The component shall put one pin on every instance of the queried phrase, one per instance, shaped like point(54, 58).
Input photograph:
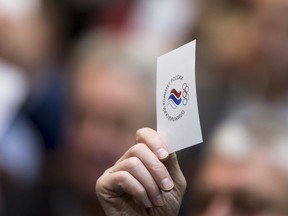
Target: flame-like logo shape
point(175, 98)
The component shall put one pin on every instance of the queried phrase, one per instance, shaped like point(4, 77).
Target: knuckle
point(100, 184)
point(138, 148)
point(133, 163)
point(140, 134)
point(121, 176)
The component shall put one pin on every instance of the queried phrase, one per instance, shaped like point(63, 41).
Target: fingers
point(143, 173)
point(137, 169)
point(156, 145)
point(119, 184)
point(153, 141)
point(152, 163)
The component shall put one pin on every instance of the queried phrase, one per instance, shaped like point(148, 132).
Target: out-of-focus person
point(245, 169)
point(31, 94)
point(30, 39)
point(32, 88)
point(17, 138)
point(111, 95)
point(246, 42)
point(241, 52)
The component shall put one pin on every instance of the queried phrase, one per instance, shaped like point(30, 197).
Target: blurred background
point(71, 76)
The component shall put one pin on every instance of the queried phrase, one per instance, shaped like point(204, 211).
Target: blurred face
point(25, 40)
point(254, 33)
point(248, 189)
point(249, 43)
point(107, 110)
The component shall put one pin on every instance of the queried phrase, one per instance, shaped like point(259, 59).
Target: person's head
point(248, 40)
point(28, 31)
point(111, 97)
point(246, 170)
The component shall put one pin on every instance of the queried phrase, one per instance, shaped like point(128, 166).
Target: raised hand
point(146, 180)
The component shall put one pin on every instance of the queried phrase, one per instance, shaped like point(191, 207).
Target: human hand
point(146, 180)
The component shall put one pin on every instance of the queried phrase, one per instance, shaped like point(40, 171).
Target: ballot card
point(178, 121)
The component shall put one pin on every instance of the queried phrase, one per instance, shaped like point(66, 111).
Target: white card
point(178, 121)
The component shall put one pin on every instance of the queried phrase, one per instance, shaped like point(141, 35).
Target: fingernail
point(167, 184)
point(162, 153)
point(159, 200)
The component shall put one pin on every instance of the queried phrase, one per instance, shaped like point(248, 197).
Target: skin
point(146, 180)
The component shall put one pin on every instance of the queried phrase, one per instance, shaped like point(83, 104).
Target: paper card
point(178, 121)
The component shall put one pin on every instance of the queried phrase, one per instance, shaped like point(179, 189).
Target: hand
point(146, 180)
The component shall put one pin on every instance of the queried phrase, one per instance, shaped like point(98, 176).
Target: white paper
point(178, 121)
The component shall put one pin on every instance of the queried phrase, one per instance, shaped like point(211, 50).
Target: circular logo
point(175, 98)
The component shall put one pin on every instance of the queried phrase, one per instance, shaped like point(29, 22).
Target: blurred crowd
point(77, 79)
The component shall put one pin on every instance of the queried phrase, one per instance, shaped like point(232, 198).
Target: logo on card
point(175, 98)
